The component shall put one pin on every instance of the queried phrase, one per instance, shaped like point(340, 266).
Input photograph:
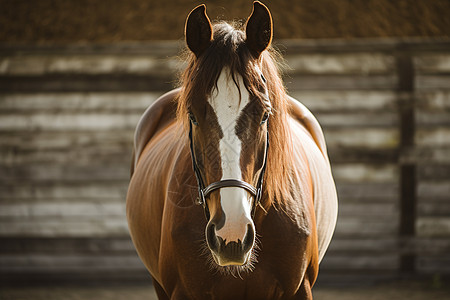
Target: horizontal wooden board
point(432, 82)
point(341, 82)
point(46, 140)
point(358, 120)
point(67, 227)
point(364, 227)
point(152, 48)
point(347, 100)
point(45, 172)
point(82, 82)
point(433, 226)
point(359, 245)
point(432, 63)
point(433, 101)
point(433, 189)
point(432, 246)
point(107, 153)
point(433, 137)
point(368, 191)
point(430, 155)
point(429, 172)
point(340, 155)
point(385, 138)
point(58, 190)
point(365, 172)
point(384, 262)
point(33, 64)
point(432, 119)
point(434, 265)
point(348, 63)
point(429, 208)
point(77, 102)
point(119, 245)
point(68, 122)
point(370, 211)
point(63, 209)
point(49, 263)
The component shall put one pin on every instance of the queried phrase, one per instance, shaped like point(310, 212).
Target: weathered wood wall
point(67, 116)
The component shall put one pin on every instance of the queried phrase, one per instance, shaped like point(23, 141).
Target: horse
point(232, 141)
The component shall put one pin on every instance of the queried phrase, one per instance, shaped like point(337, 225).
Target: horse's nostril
point(249, 239)
point(211, 238)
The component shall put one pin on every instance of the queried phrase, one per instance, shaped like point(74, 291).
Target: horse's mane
point(228, 49)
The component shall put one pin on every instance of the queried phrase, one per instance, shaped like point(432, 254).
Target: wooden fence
point(67, 116)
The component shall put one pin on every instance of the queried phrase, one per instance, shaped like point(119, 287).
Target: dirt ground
point(99, 21)
point(392, 291)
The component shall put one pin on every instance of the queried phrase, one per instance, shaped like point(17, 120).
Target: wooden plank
point(67, 246)
point(67, 227)
point(68, 122)
point(431, 172)
point(433, 101)
point(359, 172)
point(432, 63)
point(433, 226)
point(363, 227)
point(381, 262)
point(92, 64)
point(62, 209)
point(432, 155)
point(433, 189)
point(363, 245)
point(151, 48)
point(432, 82)
point(433, 137)
point(362, 155)
point(82, 83)
point(434, 265)
point(43, 172)
point(340, 82)
point(362, 138)
point(430, 246)
point(324, 46)
point(348, 63)
point(77, 102)
point(45, 141)
point(50, 263)
point(57, 190)
point(429, 208)
point(358, 120)
point(112, 153)
point(368, 191)
point(347, 100)
point(432, 119)
point(368, 210)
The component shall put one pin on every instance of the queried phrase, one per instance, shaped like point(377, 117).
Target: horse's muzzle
point(230, 253)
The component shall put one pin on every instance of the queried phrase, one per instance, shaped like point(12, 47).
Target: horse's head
point(228, 109)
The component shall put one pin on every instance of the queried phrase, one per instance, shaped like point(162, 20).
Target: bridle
point(204, 192)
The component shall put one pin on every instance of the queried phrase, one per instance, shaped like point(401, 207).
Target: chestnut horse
point(232, 140)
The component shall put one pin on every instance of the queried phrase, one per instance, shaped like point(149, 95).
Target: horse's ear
point(198, 30)
point(259, 29)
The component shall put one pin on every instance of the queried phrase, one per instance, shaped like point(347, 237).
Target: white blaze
point(228, 103)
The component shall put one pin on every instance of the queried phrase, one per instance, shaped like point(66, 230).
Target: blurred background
point(75, 76)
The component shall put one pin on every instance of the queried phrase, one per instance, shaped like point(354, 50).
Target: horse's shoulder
point(157, 116)
point(303, 115)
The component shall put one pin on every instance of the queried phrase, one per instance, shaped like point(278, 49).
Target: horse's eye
point(265, 118)
point(193, 119)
